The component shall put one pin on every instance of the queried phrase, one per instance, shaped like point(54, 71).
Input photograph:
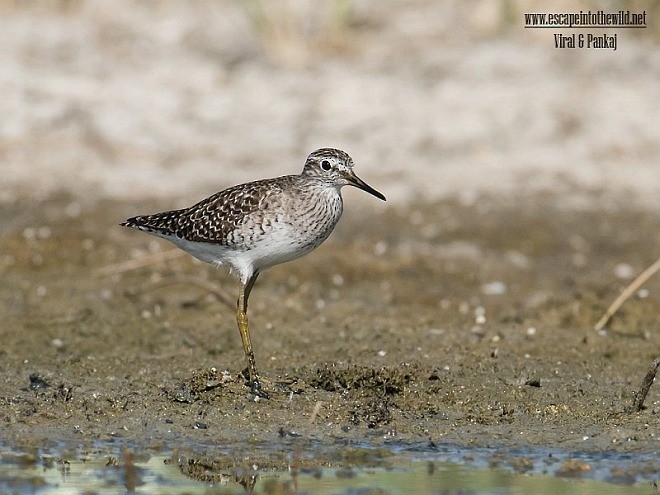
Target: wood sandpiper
point(253, 226)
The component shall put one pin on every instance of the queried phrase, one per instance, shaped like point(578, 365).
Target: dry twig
point(158, 257)
point(141, 262)
point(640, 397)
point(214, 289)
point(634, 285)
point(315, 412)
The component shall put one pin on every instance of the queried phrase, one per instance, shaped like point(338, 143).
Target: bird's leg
point(243, 327)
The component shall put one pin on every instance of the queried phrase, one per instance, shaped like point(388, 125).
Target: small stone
point(624, 271)
point(495, 288)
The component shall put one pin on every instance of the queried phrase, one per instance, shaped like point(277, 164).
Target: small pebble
point(494, 288)
point(624, 271)
point(73, 210)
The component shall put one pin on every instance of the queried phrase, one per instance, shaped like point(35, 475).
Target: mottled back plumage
point(214, 219)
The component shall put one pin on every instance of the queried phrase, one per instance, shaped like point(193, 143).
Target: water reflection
point(105, 470)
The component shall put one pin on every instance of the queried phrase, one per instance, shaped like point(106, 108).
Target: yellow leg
point(244, 329)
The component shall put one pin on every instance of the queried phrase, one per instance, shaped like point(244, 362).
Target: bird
point(253, 226)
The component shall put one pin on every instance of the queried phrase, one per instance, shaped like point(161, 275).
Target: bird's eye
point(325, 165)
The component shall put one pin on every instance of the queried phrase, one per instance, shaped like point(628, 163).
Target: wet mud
point(462, 322)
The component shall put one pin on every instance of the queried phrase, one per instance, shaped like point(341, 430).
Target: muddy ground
point(463, 322)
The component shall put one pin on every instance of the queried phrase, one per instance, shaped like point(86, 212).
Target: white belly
point(282, 241)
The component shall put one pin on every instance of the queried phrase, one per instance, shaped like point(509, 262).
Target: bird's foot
point(255, 385)
point(257, 391)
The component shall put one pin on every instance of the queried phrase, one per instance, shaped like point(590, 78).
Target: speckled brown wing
point(216, 219)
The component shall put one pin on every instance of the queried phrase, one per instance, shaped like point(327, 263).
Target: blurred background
point(432, 99)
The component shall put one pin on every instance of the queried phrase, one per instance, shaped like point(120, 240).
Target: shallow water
point(108, 469)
